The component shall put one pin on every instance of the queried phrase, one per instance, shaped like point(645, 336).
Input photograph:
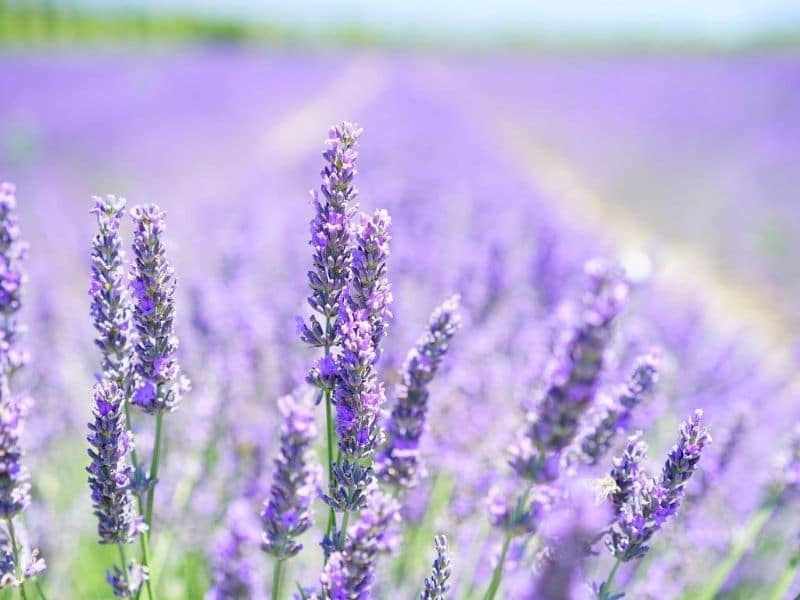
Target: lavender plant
point(438, 584)
point(399, 462)
point(287, 513)
point(14, 478)
point(110, 480)
point(158, 383)
point(642, 503)
point(350, 571)
point(573, 375)
point(334, 207)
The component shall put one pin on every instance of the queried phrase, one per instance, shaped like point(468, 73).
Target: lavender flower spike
point(682, 460)
point(438, 584)
point(358, 396)
point(12, 252)
point(160, 384)
point(369, 288)
point(598, 435)
point(642, 503)
point(399, 462)
point(15, 485)
point(110, 303)
point(287, 513)
point(110, 472)
point(626, 471)
point(334, 206)
point(350, 572)
point(572, 377)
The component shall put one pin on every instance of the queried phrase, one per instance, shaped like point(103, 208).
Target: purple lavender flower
point(349, 573)
point(438, 584)
point(627, 471)
point(287, 513)
point(358, 396)
point(160, 384)
point(572, 376)
point(110, 471)
point(110, 307)
point(643, 504)
point(606, 422)
point(334, 206)
point(399, 462)
point(127, 583)
point(682, 460)
point(369, 288)
point(12, 252)
point(235, 571)
point(14, 478)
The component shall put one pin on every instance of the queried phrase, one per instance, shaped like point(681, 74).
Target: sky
point(713, 19)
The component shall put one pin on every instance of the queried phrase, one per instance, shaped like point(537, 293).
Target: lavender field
point(533, 335)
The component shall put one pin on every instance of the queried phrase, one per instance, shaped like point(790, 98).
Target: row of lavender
point(513, 284)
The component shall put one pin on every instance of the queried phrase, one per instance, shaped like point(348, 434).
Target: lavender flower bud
point(110, 472)
point(400, 462)
point(159, 381)
point(572, 374)
point(683, 458)
point(599, 433)
point(110, 306)
point(127, 585)
point(334, 206)
point(14, 479)
point(438, 584)
point(350, 572)
point(627, 471)
point(369, 289)
point(643, 504)
point(287, 513)
point(12, 252)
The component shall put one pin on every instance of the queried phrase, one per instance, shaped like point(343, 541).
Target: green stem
point(786, 579)
point(740, 545)
point(277, 574)
point(329, 430)
point(15, 551)
point(39, 590)
point(605, 589)
point(151, 494)
point(124, 561)
point(497, 576)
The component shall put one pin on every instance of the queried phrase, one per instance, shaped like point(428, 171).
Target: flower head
point(110, 302)
point(399, 462)
point(334, 206)
point(159, 381)
point(110, 472)
point(287, 513)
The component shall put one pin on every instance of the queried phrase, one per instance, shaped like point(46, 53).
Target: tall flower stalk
point(334, 206)
point(14, 478)
point(572, 377)
point(158, 383)
point(350, 571)
point(399, 462)
point(287, 512)
point(642, 503)
point(110, 480)
point(437, 585)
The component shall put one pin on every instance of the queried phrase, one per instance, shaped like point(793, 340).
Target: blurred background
point(666, 132)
